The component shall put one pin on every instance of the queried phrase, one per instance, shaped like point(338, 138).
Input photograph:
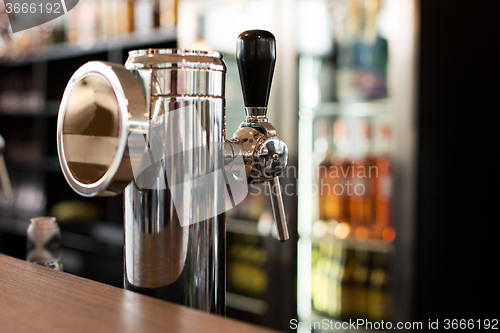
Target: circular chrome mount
point(99, 102)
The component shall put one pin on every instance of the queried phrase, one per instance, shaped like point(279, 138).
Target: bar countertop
point(38, 299)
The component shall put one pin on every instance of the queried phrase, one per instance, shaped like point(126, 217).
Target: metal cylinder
point(174, 207)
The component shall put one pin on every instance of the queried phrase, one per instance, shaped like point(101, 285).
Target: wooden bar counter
point(38, 299)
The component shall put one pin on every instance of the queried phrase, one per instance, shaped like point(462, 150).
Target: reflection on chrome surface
point(90, 132)
point(167, 253)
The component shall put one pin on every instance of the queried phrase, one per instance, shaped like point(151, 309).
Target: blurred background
point(389, 109)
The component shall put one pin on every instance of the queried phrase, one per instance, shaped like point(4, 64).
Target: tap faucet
point(265, 154)
point(154, 130)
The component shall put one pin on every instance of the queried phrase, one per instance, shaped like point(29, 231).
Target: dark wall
point(459, 168)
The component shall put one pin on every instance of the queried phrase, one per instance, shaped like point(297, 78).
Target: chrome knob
point(270, 156)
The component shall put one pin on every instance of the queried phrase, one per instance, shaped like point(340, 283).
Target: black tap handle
point(256, 56)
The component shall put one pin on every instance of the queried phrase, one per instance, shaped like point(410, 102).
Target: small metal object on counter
point(44, 242)
point(4, 176)
point(154, 130)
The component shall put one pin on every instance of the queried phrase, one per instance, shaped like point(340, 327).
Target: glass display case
point(343, 79)
point(346, 170)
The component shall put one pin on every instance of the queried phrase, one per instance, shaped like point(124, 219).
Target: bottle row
point(354, 178)
point(90, 21)
point(246, 273)
point(358, 54)
point(350, 283)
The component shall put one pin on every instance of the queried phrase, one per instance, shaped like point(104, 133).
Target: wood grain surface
point(38, 299)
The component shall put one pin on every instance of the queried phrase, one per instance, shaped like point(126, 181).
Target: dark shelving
point(30, 93)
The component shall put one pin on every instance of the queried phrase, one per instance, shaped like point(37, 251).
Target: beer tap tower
point(154, 130)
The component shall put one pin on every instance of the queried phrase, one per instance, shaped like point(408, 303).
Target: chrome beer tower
point(154, 130)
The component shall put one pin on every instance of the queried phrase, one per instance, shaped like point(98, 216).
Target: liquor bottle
point(339, 197)
point(318, 278)
point(353, 24)
point(59, 33)
point(125, 12)
point(144, 16)
point(156, 13)
point(371, 54)
point(361, 278)
point(346, 285)
point(44, 242)
point(323, 146)
point(327, 77)
point(85, 29)
point(168, 13)
point(320, 297)
point(383, 189)
point(363, 178)
point(314, 262)
point(200, 43)
point(246, 270)
point(334, 286)
point(347, 37)
point(379, 298)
